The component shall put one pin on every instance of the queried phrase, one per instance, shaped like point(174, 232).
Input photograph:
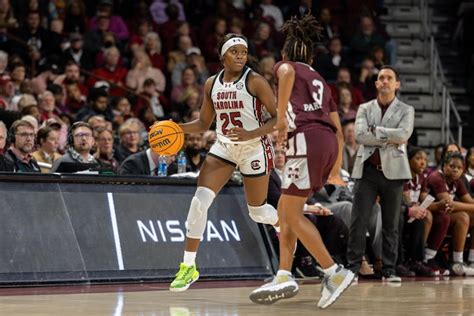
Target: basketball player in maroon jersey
point(235, 96)
point(313, 150)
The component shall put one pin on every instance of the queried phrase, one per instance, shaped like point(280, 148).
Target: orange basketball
point(166, 138)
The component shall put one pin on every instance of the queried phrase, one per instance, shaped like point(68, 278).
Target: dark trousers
point(372, 184)
point(413, 240)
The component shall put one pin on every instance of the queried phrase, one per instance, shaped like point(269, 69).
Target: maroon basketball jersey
point(311, 99)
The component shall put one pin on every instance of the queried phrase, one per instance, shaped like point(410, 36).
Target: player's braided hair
point(300, 34)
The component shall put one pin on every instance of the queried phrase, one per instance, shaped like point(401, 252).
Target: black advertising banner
point(87, 231)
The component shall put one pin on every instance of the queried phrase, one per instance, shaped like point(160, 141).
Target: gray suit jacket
point(389, 135)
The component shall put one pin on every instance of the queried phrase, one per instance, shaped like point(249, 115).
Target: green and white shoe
point(186, 276)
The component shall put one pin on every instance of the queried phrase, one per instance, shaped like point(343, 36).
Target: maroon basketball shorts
point(310, 156)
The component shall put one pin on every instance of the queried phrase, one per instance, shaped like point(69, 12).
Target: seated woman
point(416, 222)
point(453, 198)
point(48, 144)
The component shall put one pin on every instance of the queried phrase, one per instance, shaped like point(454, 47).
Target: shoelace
point(182, 273)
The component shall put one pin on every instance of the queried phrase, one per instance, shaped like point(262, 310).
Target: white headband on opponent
point(231, 42)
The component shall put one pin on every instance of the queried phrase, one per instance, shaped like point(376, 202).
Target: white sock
point(429, 254)
point(189, 258)
point(283, 272)
point(331, 270)
point(457, 256)
point(471, 255)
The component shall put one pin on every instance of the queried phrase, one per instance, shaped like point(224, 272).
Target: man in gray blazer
point(382, 129)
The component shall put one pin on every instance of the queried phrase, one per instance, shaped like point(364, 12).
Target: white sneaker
point(282, 286)
point(333, 286)
point(460, 269)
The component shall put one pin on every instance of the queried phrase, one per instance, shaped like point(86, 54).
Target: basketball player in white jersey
point(235, 96)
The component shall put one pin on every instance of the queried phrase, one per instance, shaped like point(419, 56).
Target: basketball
point(166, 138)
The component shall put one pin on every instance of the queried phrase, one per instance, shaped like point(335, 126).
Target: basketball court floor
point(449, 296)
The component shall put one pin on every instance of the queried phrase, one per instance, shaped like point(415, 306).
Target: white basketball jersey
point(235, 106)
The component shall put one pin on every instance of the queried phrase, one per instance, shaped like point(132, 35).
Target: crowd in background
point(84, 80)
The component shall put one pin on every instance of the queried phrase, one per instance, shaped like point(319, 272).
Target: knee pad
point(197, 215)
point(265, 214)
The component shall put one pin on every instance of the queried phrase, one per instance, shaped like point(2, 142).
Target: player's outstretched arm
point(206, 115)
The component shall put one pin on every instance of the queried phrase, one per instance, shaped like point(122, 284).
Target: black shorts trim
point(222, 159)
point(254, 175)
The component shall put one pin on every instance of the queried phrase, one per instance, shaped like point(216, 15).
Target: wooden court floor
point(453, 296)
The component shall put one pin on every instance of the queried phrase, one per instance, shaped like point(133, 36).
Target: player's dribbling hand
point(238, 134)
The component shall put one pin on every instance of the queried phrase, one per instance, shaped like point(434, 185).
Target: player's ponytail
point(300, 34)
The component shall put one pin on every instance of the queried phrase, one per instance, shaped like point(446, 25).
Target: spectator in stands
point(158, 8)
point(75, 101)
point(95, 40)
point(350, 145)
point(470, 163)
point(169, 29)
point(453, 198)
point(116, 24)
point(130, 140)
point(7, 15)
point(381, 168)
point(5, 165)
point(344, 75)
point(195, 60)
point(272, 12)
point(98, 105)
point(48, 144)
point(80, 143)
point(17, 75)
point(469, 174)
point(112, 72)
point(178, 55)
point(153, 49)
point(378, 57)
point(261, 44)
point(195, 154)
point(365, 39)
point(122, 110)
point(75, 20)
point(105, 149)
point(330, 30)
point(137, 38)
point(40, 41)
point(22, 143)
point(142, 69)
point(188, 83)
point(72, 74)
point(7, 91)
point(76, 52)
point(151, 97)
point(416, 221)
point(208, 139)
point(328, 64)
point(344, 106)
point(367, 77)
point(3, 62)
point(210, 45)
point(47, 106)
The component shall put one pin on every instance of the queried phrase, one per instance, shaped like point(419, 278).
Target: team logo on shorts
point(239, 85)
point(255, 164)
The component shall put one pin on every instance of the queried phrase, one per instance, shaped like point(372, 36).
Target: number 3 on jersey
point(318, 92)
point(233, 118)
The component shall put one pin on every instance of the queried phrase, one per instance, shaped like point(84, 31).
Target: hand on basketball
point(238, 134)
